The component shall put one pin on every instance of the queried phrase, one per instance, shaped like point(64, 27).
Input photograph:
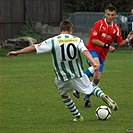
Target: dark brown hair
point(111, 8)
point(65, 25)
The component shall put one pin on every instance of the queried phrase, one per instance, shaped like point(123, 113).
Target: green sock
point(98, 92)
point(71, 106)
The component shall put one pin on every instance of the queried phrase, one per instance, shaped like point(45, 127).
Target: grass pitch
point(29, 101)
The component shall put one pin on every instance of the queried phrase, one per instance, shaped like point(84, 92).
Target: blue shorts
point(95, 55)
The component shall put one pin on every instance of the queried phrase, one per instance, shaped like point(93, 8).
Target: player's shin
point(72, 108)
point(98, 92)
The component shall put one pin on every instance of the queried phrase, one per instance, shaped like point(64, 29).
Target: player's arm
point(89, 57)
point(95, 36)
point(84, 51)
point(104, 45)
point(129, 37)
point(98, 42)
point(28, 49)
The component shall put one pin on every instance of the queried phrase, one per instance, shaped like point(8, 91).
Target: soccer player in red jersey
point(103, 34)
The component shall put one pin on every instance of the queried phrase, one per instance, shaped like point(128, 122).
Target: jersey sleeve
point(95, 30)
point(119, 38)
point(44, 47)
point(81, 46)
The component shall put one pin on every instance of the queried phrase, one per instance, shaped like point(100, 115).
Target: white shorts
point(82, 84)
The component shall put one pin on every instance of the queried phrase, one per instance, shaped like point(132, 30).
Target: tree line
point(96, 5)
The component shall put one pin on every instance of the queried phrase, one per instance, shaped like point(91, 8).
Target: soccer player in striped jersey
point(65, 49)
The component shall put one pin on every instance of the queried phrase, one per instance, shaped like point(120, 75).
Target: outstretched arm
point(28, 49)
point(129, 37)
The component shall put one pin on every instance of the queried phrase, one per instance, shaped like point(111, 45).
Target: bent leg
point(100, 94)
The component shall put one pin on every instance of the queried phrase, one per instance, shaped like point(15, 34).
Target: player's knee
point(97, 79)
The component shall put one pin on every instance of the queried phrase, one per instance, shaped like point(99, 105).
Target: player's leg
point(89, 72)
point(76, 94)
point(96, 79)
point(87, 102)
point(100, 94)
point(70, 105)
point(64, 88)
point(84, 85)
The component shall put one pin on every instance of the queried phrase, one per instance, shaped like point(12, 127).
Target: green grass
point(30, 103)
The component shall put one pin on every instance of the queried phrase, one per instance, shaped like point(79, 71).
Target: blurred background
point(39, 19)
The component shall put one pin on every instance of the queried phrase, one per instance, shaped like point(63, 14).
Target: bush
point(28, 30)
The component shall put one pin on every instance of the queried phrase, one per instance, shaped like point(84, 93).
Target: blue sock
point(87, 96)
point(88, 73)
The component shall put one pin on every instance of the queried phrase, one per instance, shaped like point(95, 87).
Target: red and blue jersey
point(105, 33)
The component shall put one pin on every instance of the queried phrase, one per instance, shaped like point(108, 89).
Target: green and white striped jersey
point(65, 49)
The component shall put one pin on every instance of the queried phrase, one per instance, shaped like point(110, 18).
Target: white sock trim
point(91, 69)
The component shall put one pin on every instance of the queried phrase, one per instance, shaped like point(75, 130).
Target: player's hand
point(12, 53)
point(130, 35)
point(96, 67)
point(111, 49)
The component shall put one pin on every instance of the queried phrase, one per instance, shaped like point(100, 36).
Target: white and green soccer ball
point(103, 112)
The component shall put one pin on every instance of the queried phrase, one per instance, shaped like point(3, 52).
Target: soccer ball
point(103, 112)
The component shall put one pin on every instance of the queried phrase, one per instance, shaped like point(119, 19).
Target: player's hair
point(111, 8)
point(65, 25)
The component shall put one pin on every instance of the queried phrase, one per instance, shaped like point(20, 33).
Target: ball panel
point(103, 113)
